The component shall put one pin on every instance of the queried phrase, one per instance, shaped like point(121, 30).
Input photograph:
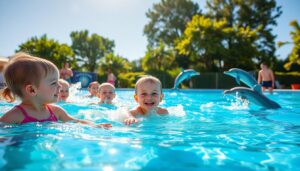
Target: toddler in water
point(93, 89)
point(148, 94)
point(35, 81)
point(106, 93)
point(64, 90)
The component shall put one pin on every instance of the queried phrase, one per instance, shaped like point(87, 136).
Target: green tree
point(120, 66)
point(117, 64)
point(90, 49)
point(158, 59)
point(49, 49)
point(160, 62)
point(294, 56)
point(205, 42)
point(258, 15)
point(167, 21)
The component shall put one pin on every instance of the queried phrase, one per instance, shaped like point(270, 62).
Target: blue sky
point(119, 20)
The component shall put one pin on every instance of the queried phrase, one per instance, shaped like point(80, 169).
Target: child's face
point(93, 89)
point(48, 89)
point(63, 92)
point(148, 95)
point(107, 94)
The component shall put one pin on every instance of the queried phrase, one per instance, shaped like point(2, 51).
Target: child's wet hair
point(63, 82)
point(148, 78)
point(23, 69)
point(105, 84)
point(93, 83)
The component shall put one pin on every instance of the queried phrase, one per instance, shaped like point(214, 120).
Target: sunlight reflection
point(108, 168)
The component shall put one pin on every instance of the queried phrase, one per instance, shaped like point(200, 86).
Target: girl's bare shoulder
point(14, 115)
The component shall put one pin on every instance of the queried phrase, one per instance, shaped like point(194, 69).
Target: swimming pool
point(205, 130)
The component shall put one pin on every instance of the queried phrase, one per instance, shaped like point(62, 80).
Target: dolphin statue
point(253, 96)
point(245, 77)
point(185, 74)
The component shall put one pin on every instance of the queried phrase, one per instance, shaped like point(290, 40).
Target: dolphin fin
point(257, 88)
point(237, 79)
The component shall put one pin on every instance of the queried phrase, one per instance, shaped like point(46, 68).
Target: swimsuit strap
point(52, 115)
point(28, 118)
point(23, 111)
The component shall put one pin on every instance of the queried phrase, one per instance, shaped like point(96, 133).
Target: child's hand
point(104, 125)
point(130, 121)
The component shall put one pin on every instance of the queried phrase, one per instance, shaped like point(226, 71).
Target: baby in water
point(148, 95)
point(106, 93)
point(64, 90)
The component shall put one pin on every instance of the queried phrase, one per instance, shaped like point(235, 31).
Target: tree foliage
point(167, 21)
point(158, 59)
point(49, 49)
point(90, 49)
point(117, 64)
point(205, 41)
point(258, 15)
point(294, 56)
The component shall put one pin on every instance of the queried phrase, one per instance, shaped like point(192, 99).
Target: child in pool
point(266, 78)
point(64, 90)
point(93, 89)
point(35, 81)
point(106, 93)
point(148, 94)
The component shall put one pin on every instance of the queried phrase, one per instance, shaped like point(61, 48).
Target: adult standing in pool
point(66, 72)
point(111, 78)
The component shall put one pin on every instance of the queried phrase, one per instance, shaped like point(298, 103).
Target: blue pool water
point(204, 131)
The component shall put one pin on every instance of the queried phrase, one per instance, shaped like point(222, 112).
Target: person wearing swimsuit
point(111, 78)
point(266, 78)
point(35, 81)
point(28, 118)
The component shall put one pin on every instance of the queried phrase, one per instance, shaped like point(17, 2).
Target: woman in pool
point(35, 81)
point(66, 73)
point(148, 94)
point(111, 78)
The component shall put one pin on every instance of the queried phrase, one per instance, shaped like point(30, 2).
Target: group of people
point(66, 73)
point(35, 81)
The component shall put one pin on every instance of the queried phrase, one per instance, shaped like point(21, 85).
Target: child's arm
point(131, 119)
point(162, 111)
point(14, 116)
point(63, 116)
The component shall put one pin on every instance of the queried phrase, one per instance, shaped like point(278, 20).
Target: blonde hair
point(147, 78)
point(105, 84)
point(63, 82)
point(23, 69)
